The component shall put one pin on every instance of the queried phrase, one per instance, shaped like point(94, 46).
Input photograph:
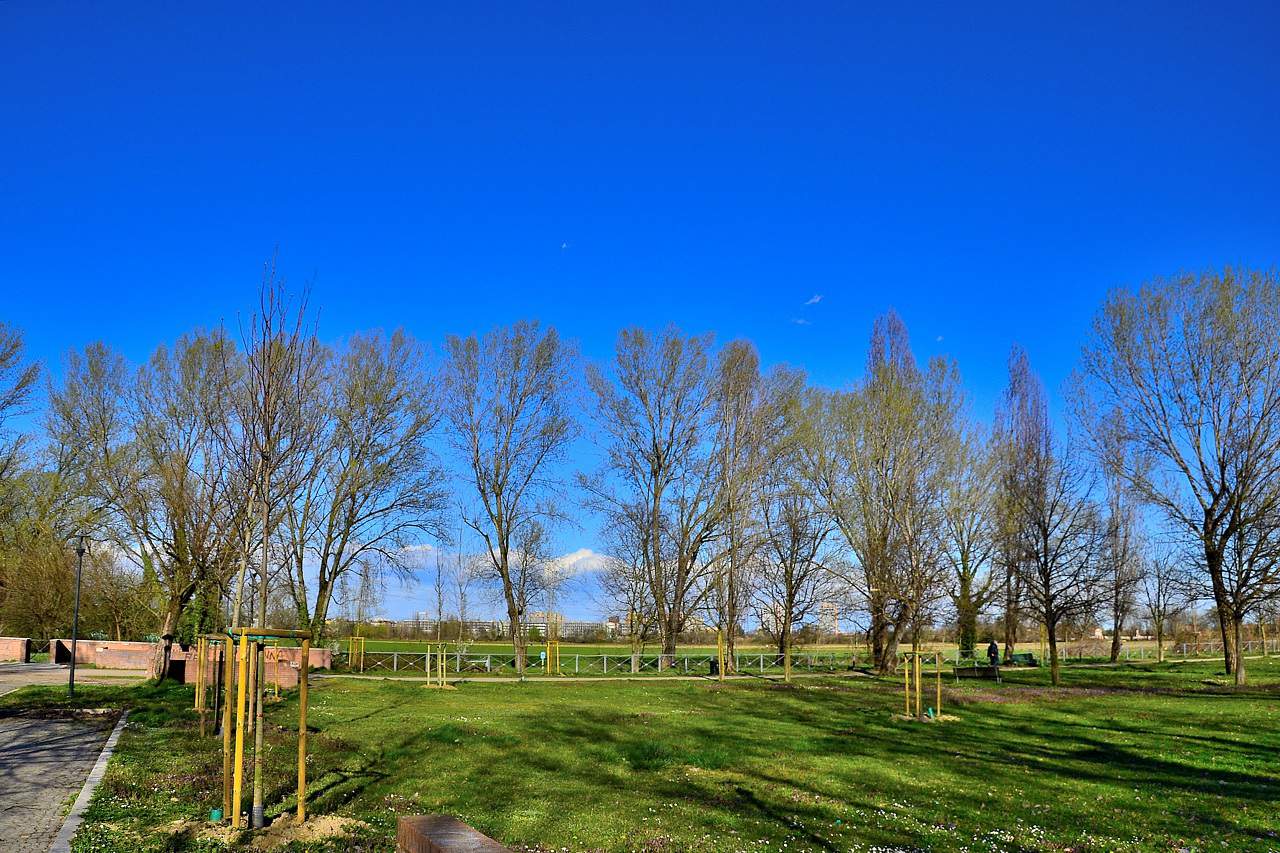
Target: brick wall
point(15, 648)
point(118, 655)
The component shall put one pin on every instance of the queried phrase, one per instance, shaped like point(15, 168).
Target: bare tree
point(529, 572)
point(374, 485)
point(1191, 368)
point(147, 446)
point(1250, 576)
point(464, 572)
point(969, 525)
point(1123, 549)
point(792, 581)
point(1018, 439)
point(922, 481)
point(278, 416)
point(1162, 590)
point(438, 582)
point(753, 417)
point(876, 457)
point(276, 429)
point(1122, 564)
point(624, 581)
point(656, 417)
point(508, 405)
point(1056, 525)
point(17, 386)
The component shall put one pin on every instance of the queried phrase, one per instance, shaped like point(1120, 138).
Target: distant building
point(829, 617)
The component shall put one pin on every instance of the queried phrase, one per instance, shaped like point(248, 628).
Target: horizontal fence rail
point(470, 663)
point(462, 663)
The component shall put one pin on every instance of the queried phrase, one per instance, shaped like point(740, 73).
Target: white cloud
point(815, 299)
point(800, 321)
point(580, 562)
point(422, 548)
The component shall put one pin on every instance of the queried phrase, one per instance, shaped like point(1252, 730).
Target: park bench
point(977, 670)
point(1023, 659)
point(439, 833)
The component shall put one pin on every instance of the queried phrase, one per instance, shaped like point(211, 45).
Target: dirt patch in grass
point(286, 830)
point(936, 718)
point(1017, 695)
point(283, 832)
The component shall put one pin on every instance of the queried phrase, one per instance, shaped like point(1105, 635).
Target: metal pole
point(937, 660)
point(303, 666)
point(200, 650)
point(258, 815)
point(228, 681)
point(75, 618)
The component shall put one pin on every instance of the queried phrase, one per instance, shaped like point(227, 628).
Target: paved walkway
point(15, 675)
point(43, 765)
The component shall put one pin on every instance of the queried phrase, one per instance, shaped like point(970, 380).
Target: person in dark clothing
point(993, 653)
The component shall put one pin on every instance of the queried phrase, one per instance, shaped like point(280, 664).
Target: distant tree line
point(257, 474)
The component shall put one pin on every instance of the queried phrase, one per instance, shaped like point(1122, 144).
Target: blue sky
point(987, 170)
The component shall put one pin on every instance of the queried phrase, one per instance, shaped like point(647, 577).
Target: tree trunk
point(517, 638)
point(1055, 672)
point(1237, 633)
point(1213, 561)
point(966, 617)
point(1159, 643)
point(890, 654)
point(786, 653)
point(320, 616)
point(880, 657)
point(165, 653)
point(668, 649)
point(1010, 617)
point(1115, 640)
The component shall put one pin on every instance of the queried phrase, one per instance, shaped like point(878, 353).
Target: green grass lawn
point(1131, 758)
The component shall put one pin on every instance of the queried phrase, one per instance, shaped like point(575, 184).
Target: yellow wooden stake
point(720, 652)
point(237, 786)
point(195, 700)
point(919, 709)
point(906, 685)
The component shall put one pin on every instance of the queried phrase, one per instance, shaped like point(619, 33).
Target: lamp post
point(75, 616)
